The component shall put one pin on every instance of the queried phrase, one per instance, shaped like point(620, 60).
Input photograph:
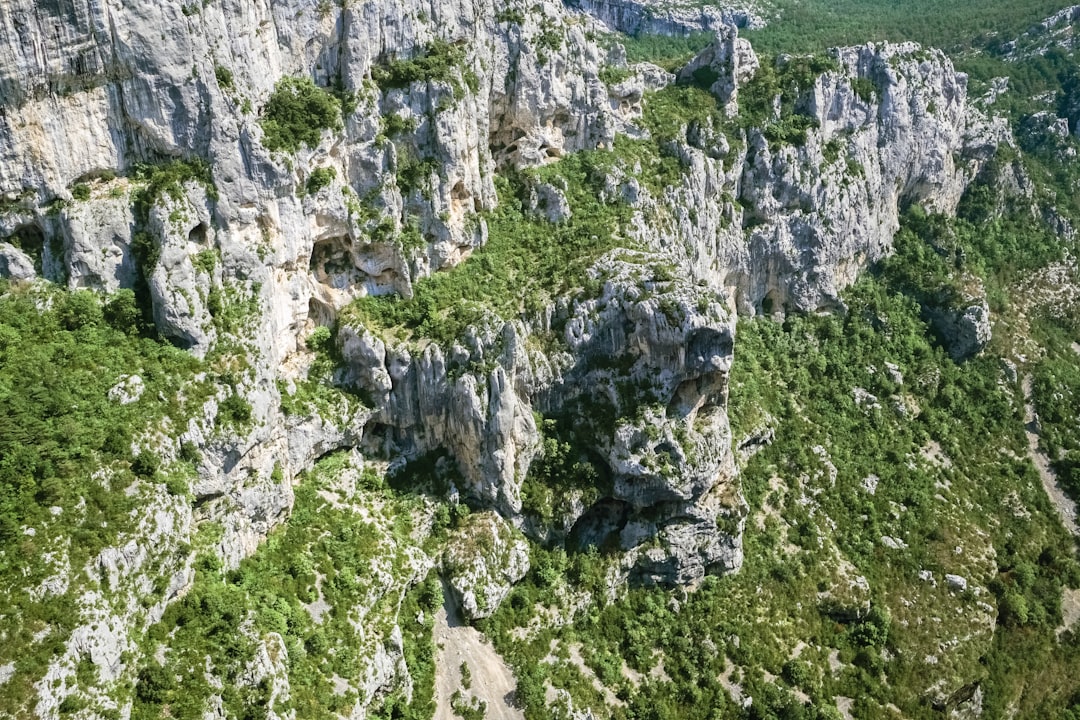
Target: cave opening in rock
point(332, 265)
point(770, 304)
point(599, 526)
point(198, 234)
point(31, 241)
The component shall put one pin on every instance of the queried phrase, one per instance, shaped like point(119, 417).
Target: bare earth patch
point(492, 681)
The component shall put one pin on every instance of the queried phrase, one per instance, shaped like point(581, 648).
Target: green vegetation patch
point(813, 25)
point(667, 112)
point(66, 459)
point(307, 583)
point(319, 178)
point(667, 51)
point(297, 113)
point(438, 62)
point(525, 263)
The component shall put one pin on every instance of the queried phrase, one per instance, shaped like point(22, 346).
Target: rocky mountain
point(276, 179)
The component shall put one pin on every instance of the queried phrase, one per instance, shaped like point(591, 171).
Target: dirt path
point(492, 681)
point(1065, 506)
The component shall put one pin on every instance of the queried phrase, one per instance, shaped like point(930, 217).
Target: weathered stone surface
point(956, 582)
point(635, 17)
point(965, 330)
point(725, 65)
point(97, 240)
point(483, 560)
point(15, 264)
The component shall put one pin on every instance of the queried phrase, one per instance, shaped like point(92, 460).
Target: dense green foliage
point(807, 26)
point(319, 178)
point(60, 354)
point(56, 367)
point(328, 556)
point(668, 112)
point(565, 472)
point(438, 62)
point(667, 51)
point(296, 114)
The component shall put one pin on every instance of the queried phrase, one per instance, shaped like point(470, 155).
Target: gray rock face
point(483, 560)
point(965, 330)
point(15, 264)
point(810, 217)
point(655, 353)
point(97, 240)
point(180, 290)
point(549, 202)
point(670, 18)
point(955, 582)
point(725, 65)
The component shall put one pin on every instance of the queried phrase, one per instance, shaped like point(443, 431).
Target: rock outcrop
point(789, 225)
point(965, 330)
point(483, 560)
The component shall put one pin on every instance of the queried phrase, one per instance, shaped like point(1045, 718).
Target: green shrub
point(146, 464)
point(319, 178)
point(81, 191)
point(438, 62)
point(176, 485)
point(168, 179)
point(511, 16)
point(234, 412)
point(864, 88)
point(78, 309)
point(319, 339)
point(297, 113)
point(205, 260)
point(611, 75)
point(224, 76)
point(394, 125)
point(122, 312)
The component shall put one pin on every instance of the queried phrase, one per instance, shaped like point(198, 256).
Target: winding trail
point(1063, 503)
point(492, 681)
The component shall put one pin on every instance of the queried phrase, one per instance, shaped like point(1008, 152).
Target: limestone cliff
point(250, 249)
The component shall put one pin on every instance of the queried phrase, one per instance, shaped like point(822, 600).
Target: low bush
point(297, 113)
